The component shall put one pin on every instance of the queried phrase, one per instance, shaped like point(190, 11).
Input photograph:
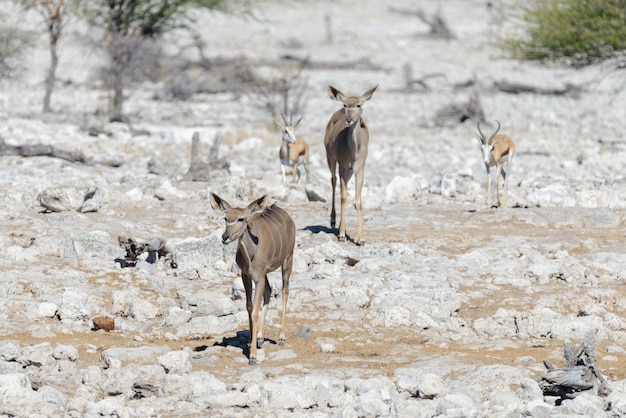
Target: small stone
point(327, 348)
point(304, 332)
point(47, 309)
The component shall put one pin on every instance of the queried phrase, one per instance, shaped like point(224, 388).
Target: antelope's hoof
point(252, 362)
point(281, 342)
point(341, 239)
point(359, 243)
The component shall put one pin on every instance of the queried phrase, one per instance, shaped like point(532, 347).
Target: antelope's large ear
point(258, 205)
point(217, 203)
point(368, 94)
point(297, 122)
point(336, 94)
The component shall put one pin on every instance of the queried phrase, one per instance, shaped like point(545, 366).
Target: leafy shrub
point(133, 34)
point(574, 32)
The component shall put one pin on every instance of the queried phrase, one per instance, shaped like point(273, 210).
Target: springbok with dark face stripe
point(496, 149)
point(294, 151)
point(266, 237)
point(346, 141)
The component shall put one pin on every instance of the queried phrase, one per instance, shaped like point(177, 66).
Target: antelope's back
point(277, 230)
point(299, 150)
point(504, 145)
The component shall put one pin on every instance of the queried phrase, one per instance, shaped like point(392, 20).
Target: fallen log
point(363, 64)
point(519, 88)
point(43, 150)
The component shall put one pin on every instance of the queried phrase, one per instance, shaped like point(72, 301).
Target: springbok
point(346, 142)
point(496, 149)
point(294, 151)
point(266, 237)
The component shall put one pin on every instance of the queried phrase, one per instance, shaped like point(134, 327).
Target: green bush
point(574, 32)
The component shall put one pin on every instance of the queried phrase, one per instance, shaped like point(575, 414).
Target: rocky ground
point(449, 309)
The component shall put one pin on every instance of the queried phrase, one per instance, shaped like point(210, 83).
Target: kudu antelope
point(266, 237)
point(496, 149)
point(346, 142)
point(294, 150)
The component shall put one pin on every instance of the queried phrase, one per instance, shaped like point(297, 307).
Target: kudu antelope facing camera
point(346, 142)
point(496, 149)
point(266, 237)
point(294, 151)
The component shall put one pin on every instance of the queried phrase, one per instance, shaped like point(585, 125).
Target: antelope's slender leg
point(332, 165)
point(258, 299)
point(308, 175)
point(359, 204)
point(506, 180)
point(498, 174)
point(344, 197)
point(247, 284)
point(266, 300)
point(286, 272)
point(488, 187)
point(295, 174)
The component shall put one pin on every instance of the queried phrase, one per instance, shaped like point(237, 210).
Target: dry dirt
point(366, 351)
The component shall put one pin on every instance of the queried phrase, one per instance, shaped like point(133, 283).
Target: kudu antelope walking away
point(496, 149)
point(346, 141)
point(294, 151)
point(266, 237)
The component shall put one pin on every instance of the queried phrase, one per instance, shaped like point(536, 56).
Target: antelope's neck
point(284, 152)
point(246, 249)
point(354, 135)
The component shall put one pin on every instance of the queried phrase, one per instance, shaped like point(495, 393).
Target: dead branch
point(43, 150)
point(518, 88)
point(579, 375)
point(364, 64)
point(200, 170)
